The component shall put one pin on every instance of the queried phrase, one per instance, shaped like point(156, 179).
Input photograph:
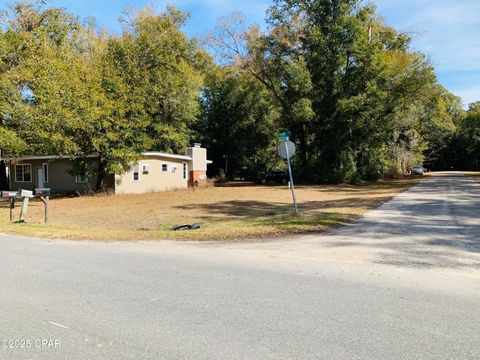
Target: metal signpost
point(286, 150)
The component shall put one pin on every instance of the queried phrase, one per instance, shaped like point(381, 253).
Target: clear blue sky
point(448, 31)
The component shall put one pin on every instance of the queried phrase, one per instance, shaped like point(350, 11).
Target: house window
point(81, 177)
point(164, 167)
point(174, 169)
point(23, 173)
point(145, 169)
point(136, 172)
point(45, 172)
point(185, 171)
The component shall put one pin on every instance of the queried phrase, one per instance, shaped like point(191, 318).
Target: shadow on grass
point(258, 209)
point(234, 184)
point(308, 223)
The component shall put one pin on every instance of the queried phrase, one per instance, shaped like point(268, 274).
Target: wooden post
point(46, 209)
point(45, 201)
point(23, 211)
point(12, 209)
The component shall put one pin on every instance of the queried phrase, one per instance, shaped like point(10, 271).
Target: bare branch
point(228, 40)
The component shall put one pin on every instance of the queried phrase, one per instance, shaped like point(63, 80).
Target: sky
point(448, 31)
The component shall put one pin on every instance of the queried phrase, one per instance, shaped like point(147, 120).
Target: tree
point(56, 103)
point(466, 148)
point(268, 60)
point(163, 73)
point(68, 90)
point(359, 103)
point(348, 87)
point(238, 124)
point(438, 124)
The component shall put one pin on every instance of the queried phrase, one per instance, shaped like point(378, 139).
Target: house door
point(39, 177)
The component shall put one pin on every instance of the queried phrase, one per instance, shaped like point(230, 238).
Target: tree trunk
point(304, 171)
point(101, 185)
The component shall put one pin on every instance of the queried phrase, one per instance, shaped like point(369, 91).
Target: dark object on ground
point(273, 177)
point(186, 227)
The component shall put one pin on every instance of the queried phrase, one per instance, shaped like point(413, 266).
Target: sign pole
point(291, 180)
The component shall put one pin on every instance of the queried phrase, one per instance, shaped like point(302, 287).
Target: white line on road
point(59, 325)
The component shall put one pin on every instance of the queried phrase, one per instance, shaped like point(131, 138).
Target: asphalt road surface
point(401, 283)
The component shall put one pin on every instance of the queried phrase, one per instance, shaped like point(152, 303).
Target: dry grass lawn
point(229, 212)
point(475, 174)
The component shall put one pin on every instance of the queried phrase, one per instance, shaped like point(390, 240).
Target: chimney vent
point(197, 145)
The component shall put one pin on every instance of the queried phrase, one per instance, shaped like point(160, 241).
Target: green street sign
point(285, 135)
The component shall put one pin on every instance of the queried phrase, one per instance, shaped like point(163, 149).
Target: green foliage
point(10, 143)
point(465, 148)
point(359, 103)
point(238, 124)
point(162, 71)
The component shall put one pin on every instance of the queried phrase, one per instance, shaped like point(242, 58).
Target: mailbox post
point(44, 195)
point(12, 208)
point(26, 195)
point(11, 195)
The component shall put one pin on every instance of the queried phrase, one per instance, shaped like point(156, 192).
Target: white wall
point(156, 180)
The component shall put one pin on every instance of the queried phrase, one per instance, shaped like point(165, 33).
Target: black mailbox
point(42, 192)
point(9, 194)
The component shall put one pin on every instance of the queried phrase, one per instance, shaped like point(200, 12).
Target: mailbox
point(9, 194)
point(25, 193)
point(42, 192)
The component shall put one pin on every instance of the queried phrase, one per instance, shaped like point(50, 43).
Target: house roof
point(171, 156)
point(165, 155)
point(42, 157)
point(53, 157)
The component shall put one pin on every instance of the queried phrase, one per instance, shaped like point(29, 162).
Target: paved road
point(402, 283)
